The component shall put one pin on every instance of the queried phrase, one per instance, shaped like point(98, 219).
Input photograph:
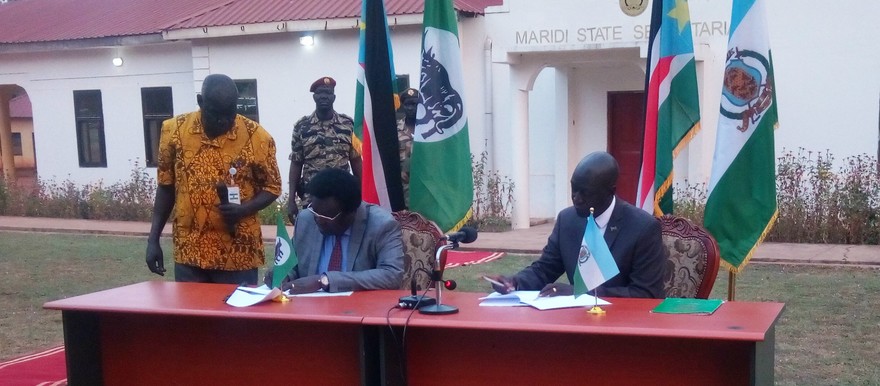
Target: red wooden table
point(183, 333)
point(162, 333)
point(628, 345)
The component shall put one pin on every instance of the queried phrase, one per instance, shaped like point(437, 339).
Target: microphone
point(223, 194)
point(465, 235)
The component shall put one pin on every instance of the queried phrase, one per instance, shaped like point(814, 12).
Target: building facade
point(546, 82)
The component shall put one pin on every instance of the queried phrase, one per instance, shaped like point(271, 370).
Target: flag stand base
point(596, 310)
point(438, 309)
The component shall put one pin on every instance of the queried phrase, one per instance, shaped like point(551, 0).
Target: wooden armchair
point(421, 237)
point(692, 263)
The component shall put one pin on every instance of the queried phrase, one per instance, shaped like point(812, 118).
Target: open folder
point(530, 298)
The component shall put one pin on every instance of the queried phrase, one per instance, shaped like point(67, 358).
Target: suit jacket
point(634, 238)
point(375, 251)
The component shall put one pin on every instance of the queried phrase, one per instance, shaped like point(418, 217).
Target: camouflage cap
point(323, 81)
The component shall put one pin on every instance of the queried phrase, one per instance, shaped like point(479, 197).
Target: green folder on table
point(688, 306)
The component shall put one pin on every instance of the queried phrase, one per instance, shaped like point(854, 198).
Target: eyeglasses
point(321, 216)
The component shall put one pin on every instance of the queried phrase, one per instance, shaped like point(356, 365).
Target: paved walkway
point(530, 240)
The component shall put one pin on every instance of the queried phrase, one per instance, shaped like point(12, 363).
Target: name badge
point(234, 194)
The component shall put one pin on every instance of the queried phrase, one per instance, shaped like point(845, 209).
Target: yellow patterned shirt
point(194, 163)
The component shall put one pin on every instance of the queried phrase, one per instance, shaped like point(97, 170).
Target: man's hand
point(303, 285)
point(557, 289)
point(508, 284)
point(292, 211)
point(155, 260)
point(270, 274)
point(232, 213)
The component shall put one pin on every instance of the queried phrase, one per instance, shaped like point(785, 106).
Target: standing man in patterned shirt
point(214, 242)
point(320, 140)
point(409, 102)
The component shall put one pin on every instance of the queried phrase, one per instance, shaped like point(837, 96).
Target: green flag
point(285, 255)
point(741, 207)
point(441, 179)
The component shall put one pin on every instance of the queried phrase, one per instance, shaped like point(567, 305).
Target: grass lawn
point(829, 332)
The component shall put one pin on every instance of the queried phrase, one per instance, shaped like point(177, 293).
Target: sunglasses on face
point(321, 216)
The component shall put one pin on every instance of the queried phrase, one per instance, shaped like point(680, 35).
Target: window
point(16, 144)
point(401, 82)
point(247, 98)
point(89, 128)
point(157, 107)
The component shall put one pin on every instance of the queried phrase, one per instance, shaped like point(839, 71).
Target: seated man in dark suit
point(343, 243)
point(633, 237)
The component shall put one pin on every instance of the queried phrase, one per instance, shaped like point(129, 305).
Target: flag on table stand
point(741, 207)
point(285, 255)
point(375, 123)
point(441, 181)
point(595, 263)
point(672, 111)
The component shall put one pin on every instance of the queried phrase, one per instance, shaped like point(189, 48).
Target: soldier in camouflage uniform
point(320, 140)
point(409, 102)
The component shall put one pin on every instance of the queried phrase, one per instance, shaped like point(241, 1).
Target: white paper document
point(530, 298)
point(318, 294)
point(510, 299)
point(247, 296)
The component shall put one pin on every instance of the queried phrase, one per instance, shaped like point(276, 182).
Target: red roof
point(26, 21)
point(52, 20)
point(20, 107)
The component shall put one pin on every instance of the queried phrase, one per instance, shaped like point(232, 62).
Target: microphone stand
point(437, 278)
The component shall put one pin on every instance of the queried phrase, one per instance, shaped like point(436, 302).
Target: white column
point(562, 176)
point(520, 150)
point(6, 137)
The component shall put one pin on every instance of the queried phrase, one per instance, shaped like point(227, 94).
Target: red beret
point(409, 93)
point(323, 81)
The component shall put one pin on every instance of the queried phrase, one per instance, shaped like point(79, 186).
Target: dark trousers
point(189, 273)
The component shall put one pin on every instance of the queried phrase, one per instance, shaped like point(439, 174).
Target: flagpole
point(731, 286)
point(596, 310)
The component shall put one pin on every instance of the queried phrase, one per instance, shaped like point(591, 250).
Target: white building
point(546, 81)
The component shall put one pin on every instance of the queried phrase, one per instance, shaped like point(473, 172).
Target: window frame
point(89, 124)
point(17, 147)
point(152, 121)
point(244, 85)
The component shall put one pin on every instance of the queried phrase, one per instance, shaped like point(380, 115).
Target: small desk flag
point(285, 255)
point(595, 263)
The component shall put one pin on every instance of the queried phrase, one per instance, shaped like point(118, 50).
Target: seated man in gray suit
point(343, 243)
point(633, 236)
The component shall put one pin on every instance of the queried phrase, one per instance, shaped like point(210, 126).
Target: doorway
point(626, 121)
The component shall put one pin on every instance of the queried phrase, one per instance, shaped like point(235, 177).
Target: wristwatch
point(325, 282)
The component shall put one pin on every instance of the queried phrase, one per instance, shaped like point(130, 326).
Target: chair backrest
point(692, 263)
point(421, 237)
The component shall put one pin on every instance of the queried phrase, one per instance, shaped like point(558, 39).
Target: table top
point(633, 317)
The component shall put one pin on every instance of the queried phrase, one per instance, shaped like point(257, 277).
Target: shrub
point(493, 197)
point(131, 199)
point(815, 203)
point(266, 216)
point(690, 201)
